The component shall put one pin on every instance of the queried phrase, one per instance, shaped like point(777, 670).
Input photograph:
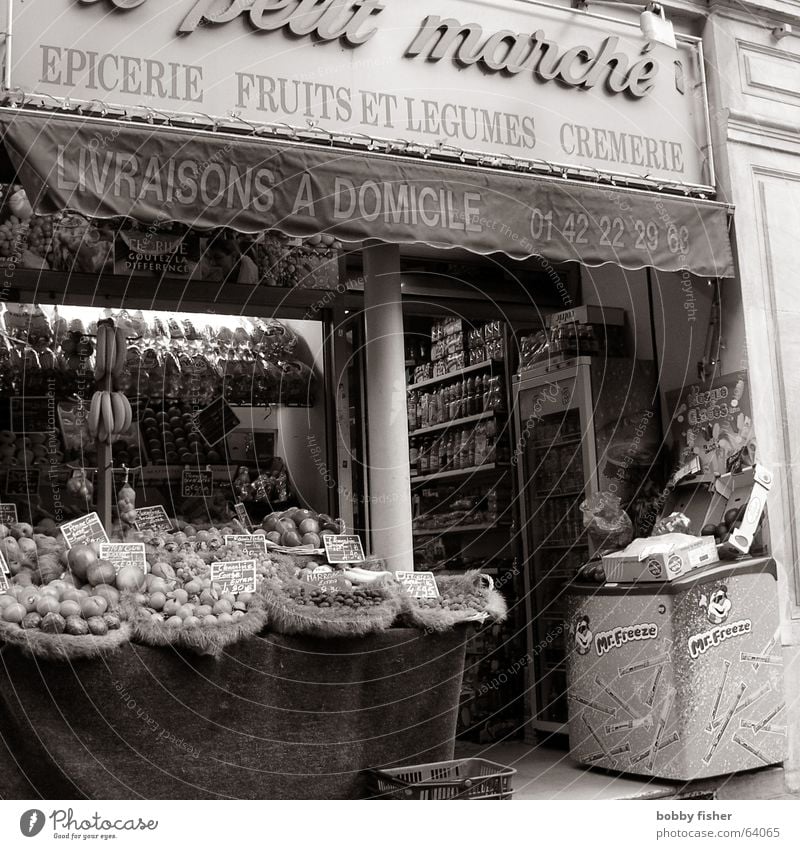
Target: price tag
point(197, 483)
point(124, 554)
point(152, 519)
point(418, 584)
point(242, 515)
point(235, 576)
point(254, 546)
point(216, 421)
point(88, 528)
point(22, 481)
point(5, 573)
point(329, 582)
point(8, 514)
point(343, 548)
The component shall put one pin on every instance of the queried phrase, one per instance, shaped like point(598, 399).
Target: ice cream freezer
point(680, 679)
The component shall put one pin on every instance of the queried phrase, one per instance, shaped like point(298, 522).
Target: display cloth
point(154, 174)
point(276, 717)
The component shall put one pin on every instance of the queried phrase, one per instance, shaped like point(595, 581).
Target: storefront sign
point(22, 482)
point(252, 545)
point(8, 514)
point(152, 519)
point(197, 483)
point(235, 576)
point(343, 548)
point(88, 528)
point(302, 190)
point(558, 85)
point(418, 584)
point(124, 554)
point(148, 253)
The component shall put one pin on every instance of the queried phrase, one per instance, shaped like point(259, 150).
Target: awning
point(155, 174)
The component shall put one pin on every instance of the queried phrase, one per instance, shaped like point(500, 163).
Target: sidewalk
point(547, 772)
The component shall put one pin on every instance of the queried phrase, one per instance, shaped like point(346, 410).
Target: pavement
point(546, 772)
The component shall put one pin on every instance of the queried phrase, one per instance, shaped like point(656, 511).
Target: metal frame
point(578, 372)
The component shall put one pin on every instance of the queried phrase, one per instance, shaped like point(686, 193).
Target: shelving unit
point(465, 420)
point(455, 474)
point(454, 375)
point(461, 529)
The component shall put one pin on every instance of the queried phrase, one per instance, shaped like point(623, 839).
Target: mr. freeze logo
point(31, 822)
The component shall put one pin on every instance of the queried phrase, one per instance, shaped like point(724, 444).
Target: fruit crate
point(467, 778)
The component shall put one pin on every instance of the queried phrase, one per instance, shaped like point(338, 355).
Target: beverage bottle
point(433, 458)
point(425, 416)
point(477, 403)
point(412, 410)
point(480, 444)
point(470, 454)
point(424, 454)
point(413, 457)
point(490, 450)
point(487, 385)
point(470, 403)
point(465, 443)
point(442, 453)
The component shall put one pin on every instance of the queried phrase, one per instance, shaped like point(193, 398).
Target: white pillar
point(387, 419)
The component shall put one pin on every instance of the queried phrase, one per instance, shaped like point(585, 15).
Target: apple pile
point(298, 526)
point(61, 607)
point(32, 450)
point(34, 555)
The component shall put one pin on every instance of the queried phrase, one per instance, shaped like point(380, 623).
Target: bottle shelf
point(453, 375)
point(459, 473)
point(460, 529)
point(477, 417)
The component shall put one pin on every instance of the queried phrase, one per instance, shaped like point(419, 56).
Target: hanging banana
point(100, 352)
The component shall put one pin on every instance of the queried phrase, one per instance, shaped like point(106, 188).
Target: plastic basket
point(468, 778)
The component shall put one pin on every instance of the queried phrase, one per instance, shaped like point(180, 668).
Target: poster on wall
point(712, 421)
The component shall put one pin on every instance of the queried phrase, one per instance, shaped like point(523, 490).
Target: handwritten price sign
point(88, 528)
point(235, 576)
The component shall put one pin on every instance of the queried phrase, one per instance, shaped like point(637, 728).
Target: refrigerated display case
point(576, 425)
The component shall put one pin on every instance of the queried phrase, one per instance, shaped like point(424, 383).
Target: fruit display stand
point(278, 717)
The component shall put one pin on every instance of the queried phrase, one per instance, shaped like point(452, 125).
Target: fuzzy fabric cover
point(476, 602)
point(63, 647)
point(288, 617)
point(201, 640)
point(275, 717)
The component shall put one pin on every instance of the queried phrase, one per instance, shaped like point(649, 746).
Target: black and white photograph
point(397, 404)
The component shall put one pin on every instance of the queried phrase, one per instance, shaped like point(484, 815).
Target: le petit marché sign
point(558, 85)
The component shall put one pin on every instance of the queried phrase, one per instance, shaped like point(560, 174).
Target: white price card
point(343, 548)
point(234, 576)
point(418, 584)
point(121, 554)
point(88, 528)
point(254, 545)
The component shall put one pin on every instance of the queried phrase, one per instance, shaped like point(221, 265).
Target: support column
point(387, 419)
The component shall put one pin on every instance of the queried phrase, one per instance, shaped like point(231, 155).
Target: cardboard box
point(661, 558)
point(706, 502)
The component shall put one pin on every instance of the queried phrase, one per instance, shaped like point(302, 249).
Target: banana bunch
point(112, 350)
point(110, 416)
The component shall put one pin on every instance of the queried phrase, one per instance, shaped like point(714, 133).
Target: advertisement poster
point(713, 422)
